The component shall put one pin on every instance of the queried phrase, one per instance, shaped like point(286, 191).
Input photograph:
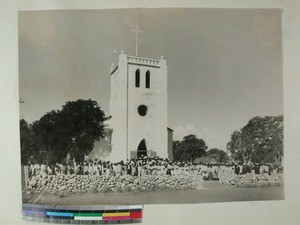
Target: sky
point(224, 65)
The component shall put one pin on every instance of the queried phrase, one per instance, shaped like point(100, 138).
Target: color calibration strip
point(82, 214)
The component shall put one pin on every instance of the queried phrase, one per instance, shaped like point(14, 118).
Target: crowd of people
point(146, 166)
point(256, 168)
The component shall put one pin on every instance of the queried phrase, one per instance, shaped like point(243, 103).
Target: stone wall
point(250, 180)
point(78, 184)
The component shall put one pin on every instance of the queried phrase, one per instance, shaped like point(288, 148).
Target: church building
point(138, 107)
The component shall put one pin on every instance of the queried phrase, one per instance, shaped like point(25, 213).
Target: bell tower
point(138, 106)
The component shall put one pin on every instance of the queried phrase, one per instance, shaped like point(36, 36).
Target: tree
point(261, 141)
point(71, 131)
point(268, 140)
point(220, 155)
point(237, 147)
point(82, 123)
point(49, 139)
point(189, 148)
point(25, 139)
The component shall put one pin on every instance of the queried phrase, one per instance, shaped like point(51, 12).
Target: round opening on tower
point(142, 110)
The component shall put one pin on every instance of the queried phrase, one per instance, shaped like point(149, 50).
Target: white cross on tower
point(136, 39)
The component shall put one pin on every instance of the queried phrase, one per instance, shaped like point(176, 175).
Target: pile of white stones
point(225, 176)
point(251, 180)
point(78, 184)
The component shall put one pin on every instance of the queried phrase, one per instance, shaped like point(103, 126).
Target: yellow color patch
point(116, 214)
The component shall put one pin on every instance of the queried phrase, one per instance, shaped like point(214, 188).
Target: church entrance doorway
point(142, 149)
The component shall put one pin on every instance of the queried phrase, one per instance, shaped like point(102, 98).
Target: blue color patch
point(60, 214)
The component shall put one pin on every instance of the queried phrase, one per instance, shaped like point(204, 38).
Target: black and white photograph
point(151, 106)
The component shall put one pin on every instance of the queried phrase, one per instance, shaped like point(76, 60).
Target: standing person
point(248, 168)
point(164, 168)
point(116, 169)
point(139, 166)
point(232, 169)
point(181, 169)
point(135, 169)
point(149, 169)
point(217, 172)
point(203, 169)
point(86, 168)
point(123, 168)
point(37, 169)
point(49, 170)
point(112, 169)
point(132, 167)
point(275, 167)
point(168, 169)
point(240, 168)
point(95, 169)
point(279, 169)
point(266, 169)
point(91, 166)
point(176, 168)
point(100, 167)
point(104, 168)
point(159, 169)
point(210, 172)
point(119, 168)
point(69, 169)
point(76, 168)
point(108, 168)
point(256, 168)
point(261, 168)
point(57, 169)
point(127, 167)
point(43, 168)
point(270, 169)
point(80, 168)
point(252, 169)
point(63, 168)
point(154, 169)
point(31, 170)
point(244, 168)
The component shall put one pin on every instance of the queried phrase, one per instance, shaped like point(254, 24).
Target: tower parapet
point(157, 63)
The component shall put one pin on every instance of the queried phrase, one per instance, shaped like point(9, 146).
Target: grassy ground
point(212, 192)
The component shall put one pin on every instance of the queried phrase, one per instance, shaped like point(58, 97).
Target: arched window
point(137, 78)
point(148, 79)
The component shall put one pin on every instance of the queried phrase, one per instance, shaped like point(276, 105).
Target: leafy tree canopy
point(189, 148)
point(72, 130)
point(261, 141)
